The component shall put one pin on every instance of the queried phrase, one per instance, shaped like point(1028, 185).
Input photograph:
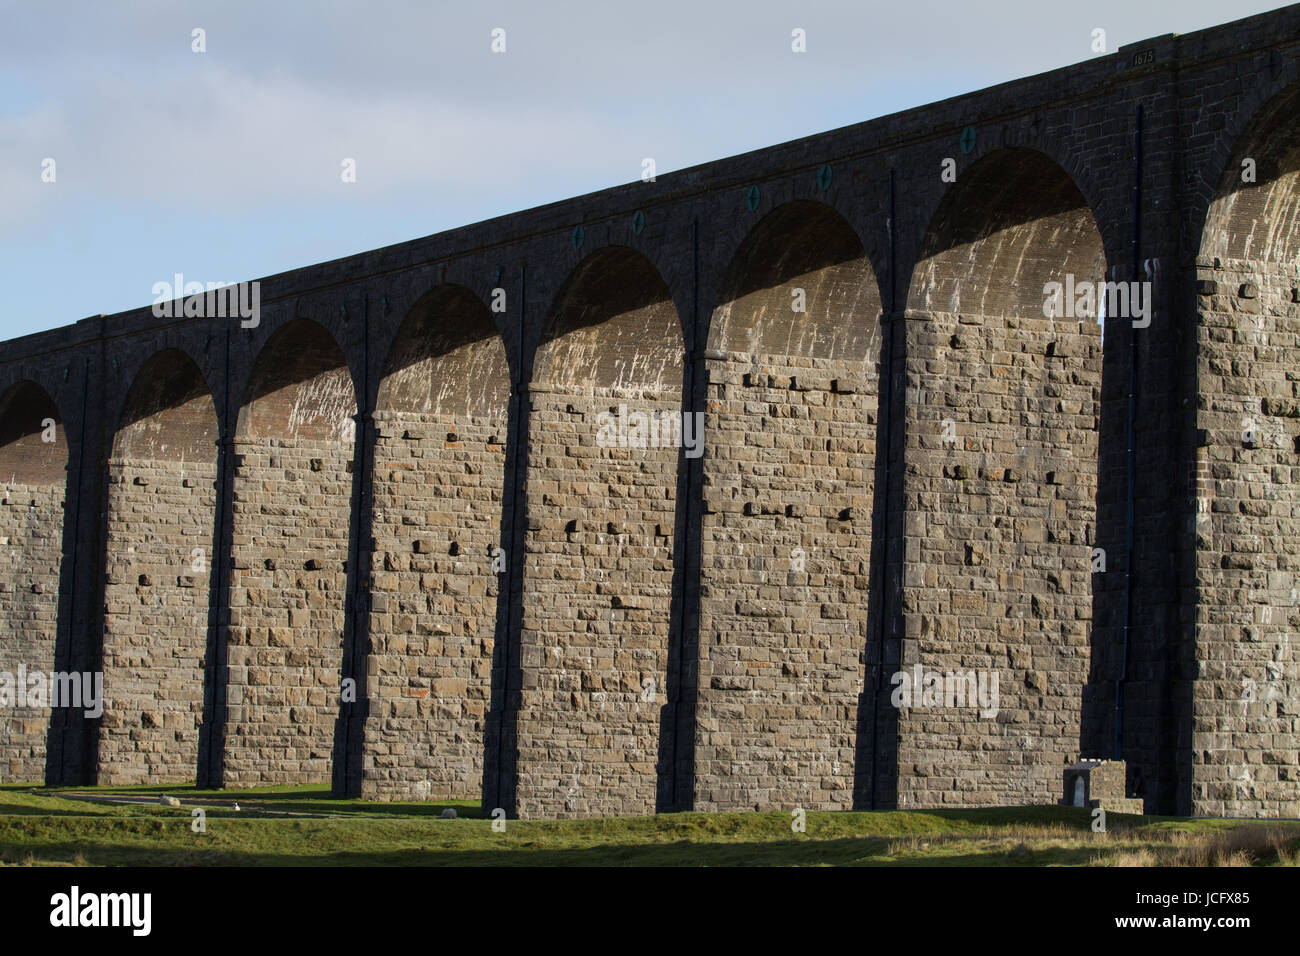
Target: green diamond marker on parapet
point(751, 198)
point(824, 177)
point(578, 236)
point(967, 140)
point(638, 222)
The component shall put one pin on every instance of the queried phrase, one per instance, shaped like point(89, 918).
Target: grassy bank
point(305, 826)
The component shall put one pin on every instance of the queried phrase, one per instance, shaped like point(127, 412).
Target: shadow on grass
point(392, 834)
point(8, 809)
point(684, 853)
point(317, 801)
point(869, 851)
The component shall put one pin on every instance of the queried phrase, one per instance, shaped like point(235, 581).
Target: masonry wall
point(159, 541)
point(786, 554)
point(31, 550)
point(436, 584)
point(1246, 692)
point(789, 470)
point(437, 561)
point(1000, 488)
point(998, 567)
point(1245, 720)
point(437, 523)
point(597, 602)
point(598, 563)
point(291, 517)
point(990, 531)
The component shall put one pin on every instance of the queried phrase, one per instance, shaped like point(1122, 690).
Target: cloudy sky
point(226, 165)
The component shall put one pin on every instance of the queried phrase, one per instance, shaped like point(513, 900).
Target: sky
point(227, 164)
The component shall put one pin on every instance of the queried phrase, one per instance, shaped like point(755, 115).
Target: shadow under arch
point(284, 638)
point(1259, 219)
point(613, 326)
point(34, 479)
point(159, 573)
point(300, 387)
point(1013, 222)
point(789, 522)
point(169, 413)
point(1007, 431)
point(808, 245)
point(29, 416)
point(602, 647)
point(449, 331)
point(437, 493)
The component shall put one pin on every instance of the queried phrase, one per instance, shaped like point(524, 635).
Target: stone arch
point(1248, 304)
point(33, 483)
point(1013, 222)
point(291, 527)
point(26, 456)
point(1259, 221)
point(602, 489)
point(159, 530)
point(1004, 430)
point(806, 245)
point(300, 388)
point(614, 327)
point(441, 424)
point(448, 359)
point(169, 413)
point(786, 525)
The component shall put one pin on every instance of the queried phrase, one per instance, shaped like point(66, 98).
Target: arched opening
point(806, 246)
point(441, 423)
point(33, 480)
point(1013, 223)
point(448, 360)
point(33, 448)
point(1254, 218)
point(615, 329)
point(291, 521)
point(1248, 304)
point(601, 501)
point(789, 472)
point(300, 390)
point(1003, 430)
point(158, 544)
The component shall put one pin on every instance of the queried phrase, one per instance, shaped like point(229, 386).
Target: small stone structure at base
point(1098, 783)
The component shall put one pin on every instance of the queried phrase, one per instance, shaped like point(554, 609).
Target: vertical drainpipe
point(359, 709)
point(1131, 439)
point(221, 562)
point(83, 743)
point(881, 582)
point(516, 536)
point(688, 391)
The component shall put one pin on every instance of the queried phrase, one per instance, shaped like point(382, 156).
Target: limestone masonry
point(950, 541)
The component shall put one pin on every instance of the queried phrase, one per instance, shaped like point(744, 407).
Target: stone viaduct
point(377, 541)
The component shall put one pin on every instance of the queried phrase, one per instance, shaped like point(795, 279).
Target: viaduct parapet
point(427, 530)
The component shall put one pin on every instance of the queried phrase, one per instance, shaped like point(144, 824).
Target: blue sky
point(225, 165)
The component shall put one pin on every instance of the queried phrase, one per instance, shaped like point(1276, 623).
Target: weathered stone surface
point(439, 516)
point(155, 638)
point(399, 480)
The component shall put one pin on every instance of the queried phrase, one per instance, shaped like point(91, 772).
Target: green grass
point(37, 827)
